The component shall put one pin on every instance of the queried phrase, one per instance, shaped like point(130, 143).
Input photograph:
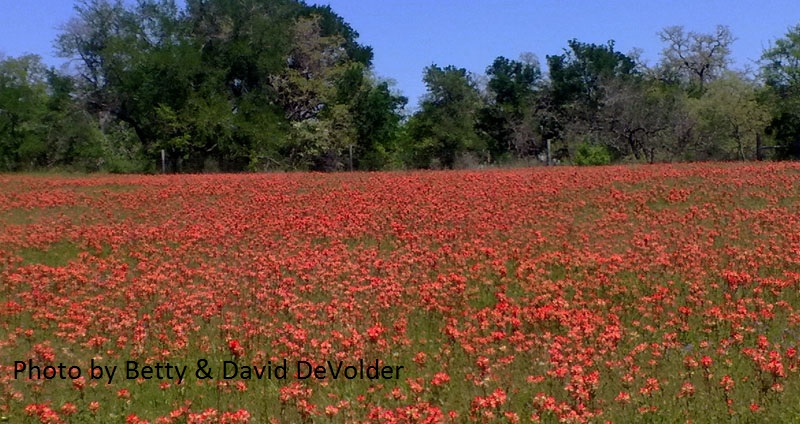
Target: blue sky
point(408, 35)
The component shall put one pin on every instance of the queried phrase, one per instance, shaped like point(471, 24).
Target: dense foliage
point(222, 85)
point(226, 85)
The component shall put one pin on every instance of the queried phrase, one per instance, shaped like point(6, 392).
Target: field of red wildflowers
point(624, 294)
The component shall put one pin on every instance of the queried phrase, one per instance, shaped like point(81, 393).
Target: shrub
point(592, 154)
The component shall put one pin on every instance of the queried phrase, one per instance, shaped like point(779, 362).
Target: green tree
point(730, 118)
point(377, 118)
point(23, 101)
point(41, 124)
point(243, 83)
point(135, 65)
point(781, 72)
point(509, 117)
point(73, 136)
point(444, 127)
point(577, 75)
point(573, 101)
point(322, 92)
point(243, 45)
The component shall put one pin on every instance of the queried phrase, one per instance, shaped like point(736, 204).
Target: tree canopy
point(235, 85)
point(781, 74)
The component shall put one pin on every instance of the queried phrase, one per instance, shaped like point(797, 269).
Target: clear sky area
point(408, 35)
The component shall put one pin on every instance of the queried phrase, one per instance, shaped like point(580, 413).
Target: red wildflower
point(235, 348)
point(439, 379)
point(726, 383)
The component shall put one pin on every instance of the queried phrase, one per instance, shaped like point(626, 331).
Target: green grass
point(56, 255)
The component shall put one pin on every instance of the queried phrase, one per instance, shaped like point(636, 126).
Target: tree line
point(235, 85)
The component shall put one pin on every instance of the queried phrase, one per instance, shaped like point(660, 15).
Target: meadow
point(664, 293)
